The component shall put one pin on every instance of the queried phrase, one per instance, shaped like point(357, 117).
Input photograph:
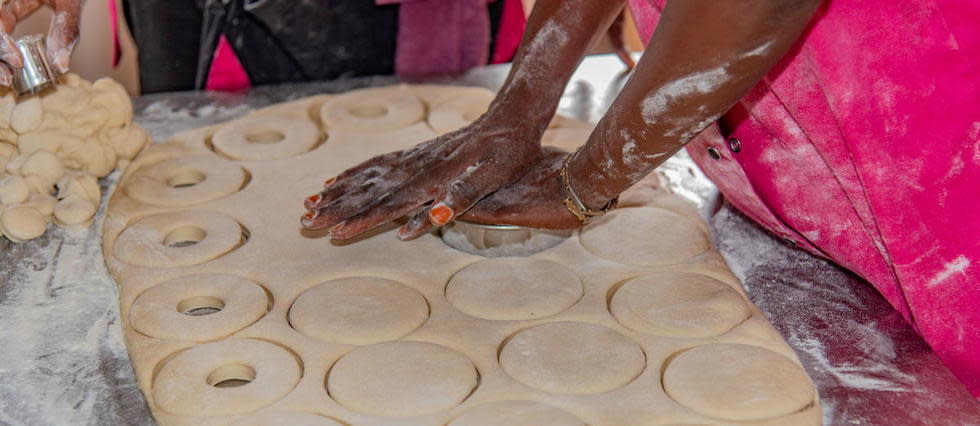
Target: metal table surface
point(63, 361)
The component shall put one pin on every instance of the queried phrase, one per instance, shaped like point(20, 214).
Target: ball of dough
point(74, 211)
point(13, 189)
point(22, 223)
point(737, 382)
point(80, 184)
point(26, 115)
point(45, 165)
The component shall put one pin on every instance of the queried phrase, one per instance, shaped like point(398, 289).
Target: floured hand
point(62, 34)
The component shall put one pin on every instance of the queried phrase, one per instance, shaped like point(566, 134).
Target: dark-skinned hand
point(444, 177)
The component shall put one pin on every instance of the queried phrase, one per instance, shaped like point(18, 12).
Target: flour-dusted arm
point(451, 173)
point(703, 57)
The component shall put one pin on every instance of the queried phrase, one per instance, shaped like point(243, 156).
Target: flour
point(702, 82)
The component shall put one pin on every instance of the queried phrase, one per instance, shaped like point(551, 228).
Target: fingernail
point(307, 219)
point(330, 181)
point(313, 199)
point(337, 228)
point(440, 214)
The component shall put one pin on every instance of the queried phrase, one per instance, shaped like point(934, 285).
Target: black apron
point(276, 40)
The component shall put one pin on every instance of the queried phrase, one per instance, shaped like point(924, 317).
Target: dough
point(358, 311)
point(226, 377)
point(291, 418)
point(401, 379)
point(516, 413)
point(13, 189)
point(644, 237)
point(43, 203)
point(459, 112)
point(26, 115)
point(737, 382)
point(80, 184)
point(514, 288)
point(46, 167)
point(678, 304)
point(382, 332)
point(568, 139)
point(22, 223)
point(74, 211)
point(572, 358)
point(268, 137)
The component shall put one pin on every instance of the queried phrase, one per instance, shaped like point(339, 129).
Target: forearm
point(703, 57)
point(558, 34)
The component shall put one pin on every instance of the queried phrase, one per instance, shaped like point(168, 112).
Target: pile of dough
point(53, 149)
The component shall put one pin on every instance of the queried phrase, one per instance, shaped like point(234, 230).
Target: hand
point(451, 172)
point(533, 201)
point(62, 34)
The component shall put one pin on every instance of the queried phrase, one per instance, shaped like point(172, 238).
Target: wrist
point(586, 185)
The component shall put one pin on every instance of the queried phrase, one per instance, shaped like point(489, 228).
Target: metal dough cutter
point(37, 73)
point(500, 240)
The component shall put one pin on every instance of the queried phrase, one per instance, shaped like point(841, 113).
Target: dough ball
point(13, 189)
point(80, 184)
point(111, 96)
point(26, 115)
point(44, 164)
point(43, 140)
point(737, 382)
point(44, 203)
point(74, 211)
point(22, 223)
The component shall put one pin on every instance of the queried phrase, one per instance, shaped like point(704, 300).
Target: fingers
point(9, 53)
point(475, 183)
point(353, 178)
point(390, 209)
point(63, 32)
point(418, 225)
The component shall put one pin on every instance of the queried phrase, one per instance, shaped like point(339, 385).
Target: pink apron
point(863, 146)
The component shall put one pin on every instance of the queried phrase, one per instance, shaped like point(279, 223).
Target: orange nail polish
point(313, 199)
point(440, 214)
point(330, 181)
point(310, 216)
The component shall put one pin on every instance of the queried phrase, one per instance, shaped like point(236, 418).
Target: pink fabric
point(441, 36)
point(227, 72)
point(863, 146)
point(510, 31)
point(114, 31)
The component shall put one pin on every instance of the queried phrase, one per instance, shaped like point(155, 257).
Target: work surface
point(64, 362)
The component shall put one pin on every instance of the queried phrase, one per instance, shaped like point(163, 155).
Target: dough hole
point(369, 111)
point(200, 306)
point(231, 376)
point(267, 136)
point(186, 178)
point(185, 236)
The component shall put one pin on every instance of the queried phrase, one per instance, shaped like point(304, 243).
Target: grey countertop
point(63, 361)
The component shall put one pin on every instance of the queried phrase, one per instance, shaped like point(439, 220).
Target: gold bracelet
point(573, 202)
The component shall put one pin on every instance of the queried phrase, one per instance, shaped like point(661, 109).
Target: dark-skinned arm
point(703, 57)
point(442, 178)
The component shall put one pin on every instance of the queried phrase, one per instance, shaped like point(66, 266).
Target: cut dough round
point(516, 413)
point(44, 203)
point(514, 288)
point(26, 115)
point(22, 223)
point(185, 181)
point(13, 189)
point(373, 110)
point(198, 307)
point(74, 211)
point(459, 112)
point(80, 184)
point(737, 382)
point(226, 377)
point(401, 379)
point(277, 418)
point(267, 137)
point(44, 164)
point(678, 304)
point(572, 358)
point(358, 311)
point(566, 138)
point(644, 236)
point(180, 238)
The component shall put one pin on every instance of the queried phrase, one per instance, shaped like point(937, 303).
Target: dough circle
point(516, 413)
point(266, 137)
point(572, 358)
point(358, 311)
point(401, 379)
point(678, 304)
point(161, 240)
point(460, 111)
point(514, 288)
point(186, 383)
point(373, 110)
point(737, 382)
point(645, 236)
point(171, 310)
point(277, 418)
point(566, 138)
point(185, 181)
point(22, 223)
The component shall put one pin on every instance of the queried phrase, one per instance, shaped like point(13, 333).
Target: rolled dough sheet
point(234, 315)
